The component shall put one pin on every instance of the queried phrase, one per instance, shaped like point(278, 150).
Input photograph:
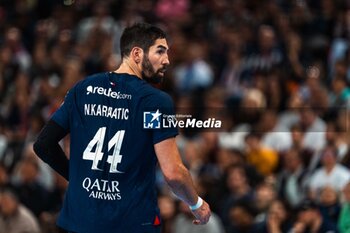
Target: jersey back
point(114, 121)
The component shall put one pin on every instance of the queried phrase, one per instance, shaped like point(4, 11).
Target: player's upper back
point(116, 97)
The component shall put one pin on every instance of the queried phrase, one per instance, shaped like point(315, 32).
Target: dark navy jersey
point(114, 121)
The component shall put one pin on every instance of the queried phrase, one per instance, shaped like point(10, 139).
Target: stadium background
point(280, 67)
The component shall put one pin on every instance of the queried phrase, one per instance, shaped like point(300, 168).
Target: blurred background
point(279, 68)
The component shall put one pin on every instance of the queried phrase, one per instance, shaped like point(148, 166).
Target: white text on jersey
point(102, 189)
point(107, 92)
point(106, 111)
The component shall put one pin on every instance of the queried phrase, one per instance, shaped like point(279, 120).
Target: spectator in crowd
point(264, 195)
point(238, 188)
point(266, 54)
point(340, 95)
point(275, 137)
point(314, 128)
point(251, 106)
point(292, 178)
point(45, 176)
point(13, 40)
point(30, 192)
point(344, 220)
point(230, 158)
point(296, 61)
point(14, 217)
point(331, 173)
point(102, 19)
point(17, 119)
point(230, 77)
point(195, 72)
point(279, 218)
point(263, 158)
point(310, 219)
point(337, 136)
point(242, 215)
point(328, 201)
point(306, 154)
point(290, 117)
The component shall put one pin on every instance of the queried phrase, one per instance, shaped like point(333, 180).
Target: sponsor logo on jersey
point(152, 120)
point(102, 189)
point(107, 92)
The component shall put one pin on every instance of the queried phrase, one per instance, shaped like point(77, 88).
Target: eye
point(160, 51)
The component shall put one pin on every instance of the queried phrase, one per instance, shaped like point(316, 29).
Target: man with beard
point(116, 139)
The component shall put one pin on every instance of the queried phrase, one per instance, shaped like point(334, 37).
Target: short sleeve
point(63, 113)
point(159, 113)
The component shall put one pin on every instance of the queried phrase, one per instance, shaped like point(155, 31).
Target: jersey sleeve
point(62, 114)
point(162, 104)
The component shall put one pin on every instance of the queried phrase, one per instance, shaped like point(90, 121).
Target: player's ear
point(137, 54)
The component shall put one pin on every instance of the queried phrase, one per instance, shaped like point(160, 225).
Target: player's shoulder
point(90, 80)
point(155, 97)
point(93, 79)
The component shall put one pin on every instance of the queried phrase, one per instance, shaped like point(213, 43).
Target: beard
point(148, 72)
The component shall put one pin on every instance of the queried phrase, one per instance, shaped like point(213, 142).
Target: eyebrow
point(162, 47)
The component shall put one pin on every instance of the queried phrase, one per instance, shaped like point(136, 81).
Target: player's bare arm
point(179, 179)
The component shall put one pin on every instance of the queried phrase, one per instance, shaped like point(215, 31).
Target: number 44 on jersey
point(96, 156)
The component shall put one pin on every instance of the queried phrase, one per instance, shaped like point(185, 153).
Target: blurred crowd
point(277, 70)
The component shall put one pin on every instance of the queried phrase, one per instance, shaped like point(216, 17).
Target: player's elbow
point(176, 175)
point(173, 178)
point(40, 149)
point(37, 147)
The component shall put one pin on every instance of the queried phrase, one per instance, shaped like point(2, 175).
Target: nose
point(166, 60)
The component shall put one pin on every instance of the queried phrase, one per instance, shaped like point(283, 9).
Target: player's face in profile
point(154, 63)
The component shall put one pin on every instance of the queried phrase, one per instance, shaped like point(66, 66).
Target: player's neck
point(129, 67)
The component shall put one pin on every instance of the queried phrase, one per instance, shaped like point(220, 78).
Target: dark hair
point(141, 35)
point(10, 191)
point(332, 147)
point(246, 205)
point(307, 204)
